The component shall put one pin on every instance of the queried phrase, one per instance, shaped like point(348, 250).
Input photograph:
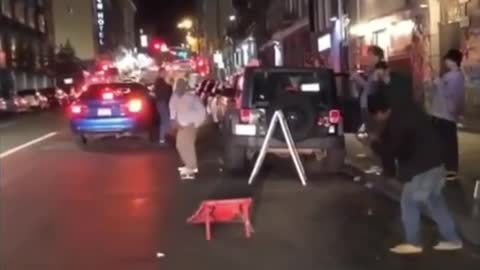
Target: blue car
point(114, 109)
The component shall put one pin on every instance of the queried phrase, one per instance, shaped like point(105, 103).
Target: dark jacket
point(399, 91)
point(411, 138)
point(163, 91)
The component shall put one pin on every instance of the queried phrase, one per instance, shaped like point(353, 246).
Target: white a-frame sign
point(279, 117)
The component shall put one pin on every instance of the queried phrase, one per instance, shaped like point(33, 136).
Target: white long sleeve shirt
point(449, 96)
point(187, 109)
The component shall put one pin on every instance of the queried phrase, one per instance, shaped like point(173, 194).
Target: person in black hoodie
point(413, 141)
point(163, 93)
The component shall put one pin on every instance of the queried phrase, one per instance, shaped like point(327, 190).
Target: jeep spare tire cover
point(299, 112)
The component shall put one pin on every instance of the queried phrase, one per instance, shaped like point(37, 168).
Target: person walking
point(163, 93)
point(415, 144)
point(365, 83)
point(188, 113)
point(448, 105)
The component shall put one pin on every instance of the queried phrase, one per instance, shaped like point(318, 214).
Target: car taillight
point(135, 106)
point(334, 116)
point(246, 116)
point(77, 109)
point(107, 96)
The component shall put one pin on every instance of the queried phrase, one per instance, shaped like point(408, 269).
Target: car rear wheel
point(235, 158)
point(334, 160)
point(82, 141)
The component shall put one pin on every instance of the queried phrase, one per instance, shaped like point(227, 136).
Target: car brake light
point(107, 96)
point(246, 116)
point(334, 116)
point(76, 109)
point(135, 106)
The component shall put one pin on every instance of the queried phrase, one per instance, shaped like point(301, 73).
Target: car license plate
point(245, 130)
point(104, 112)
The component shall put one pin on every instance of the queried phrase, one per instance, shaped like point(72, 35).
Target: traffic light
point(159, 46)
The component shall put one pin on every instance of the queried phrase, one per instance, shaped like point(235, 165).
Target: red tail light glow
point(76, 109)
point(107, 96)
point(334, 116)
point(135, 106)
point(246, 116)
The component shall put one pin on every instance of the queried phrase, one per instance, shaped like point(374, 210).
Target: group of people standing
point(416, 146)
point(182, 113)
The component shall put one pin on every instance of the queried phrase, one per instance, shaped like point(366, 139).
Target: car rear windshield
point(268, 85)
point(120, 91)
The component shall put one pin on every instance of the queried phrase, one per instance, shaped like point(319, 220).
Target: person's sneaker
point(448, 246)
point(452, 176)
point(187, 176)
point(373, 170)
point(405, 249)
point(187, 170)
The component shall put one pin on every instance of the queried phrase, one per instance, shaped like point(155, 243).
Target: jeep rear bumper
point(310, 145)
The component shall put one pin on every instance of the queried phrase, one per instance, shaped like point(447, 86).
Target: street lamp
point(186, 24)
point(232, 18)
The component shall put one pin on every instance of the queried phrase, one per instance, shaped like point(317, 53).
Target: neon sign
point(100, 12)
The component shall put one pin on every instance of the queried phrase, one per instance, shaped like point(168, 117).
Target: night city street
point(116, 206)
point(239, 134)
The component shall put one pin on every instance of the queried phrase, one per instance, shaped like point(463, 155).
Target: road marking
point(7, 124)
point(28, 144)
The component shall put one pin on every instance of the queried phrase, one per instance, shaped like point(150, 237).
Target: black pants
point(447, 130)
point(387, 158)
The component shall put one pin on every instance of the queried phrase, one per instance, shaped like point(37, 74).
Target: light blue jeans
point(164, 112)
point(426, 190)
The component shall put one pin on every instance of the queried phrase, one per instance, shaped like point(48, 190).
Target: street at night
point(120, 205)
point(239, 134)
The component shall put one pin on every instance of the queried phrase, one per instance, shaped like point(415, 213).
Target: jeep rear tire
point(299, 113)
point(234, 158)
point(335, 159)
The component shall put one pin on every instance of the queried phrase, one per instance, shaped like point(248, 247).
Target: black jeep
point(310, 102)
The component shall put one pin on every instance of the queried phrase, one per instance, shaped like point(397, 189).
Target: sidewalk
point(459, 196)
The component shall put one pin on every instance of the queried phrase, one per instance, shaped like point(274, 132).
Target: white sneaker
point(187, 170)
point(187, 176)
point(448, 246)
point(373, 170)
point(405, 249)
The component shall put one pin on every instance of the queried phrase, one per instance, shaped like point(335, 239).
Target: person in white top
point(188, 113)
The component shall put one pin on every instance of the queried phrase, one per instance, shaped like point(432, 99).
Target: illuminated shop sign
point(100, 12)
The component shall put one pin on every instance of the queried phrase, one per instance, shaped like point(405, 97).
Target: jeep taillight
point(334, 116)
point(247, 116)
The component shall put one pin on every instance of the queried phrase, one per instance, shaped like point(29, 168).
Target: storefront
point(404, 40)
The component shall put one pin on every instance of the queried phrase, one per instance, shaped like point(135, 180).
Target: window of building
point(42, 24)
point(6, 7)
point(31, 16)
point(20, 10)
point(13, 51)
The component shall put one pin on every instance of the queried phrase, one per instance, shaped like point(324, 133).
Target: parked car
point(309, 100)
point(217, 102)
point(20, 104)
point(204, 90)
point(56, 97)
point(119, 109)
point(3, 105)
point(34, 99)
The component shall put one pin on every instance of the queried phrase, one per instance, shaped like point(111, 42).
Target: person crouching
point(415, 144)
point(188, 114)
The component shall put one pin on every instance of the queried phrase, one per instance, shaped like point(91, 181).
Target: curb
point(468, 227)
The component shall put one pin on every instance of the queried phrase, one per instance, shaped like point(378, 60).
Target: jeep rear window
point(269, 85)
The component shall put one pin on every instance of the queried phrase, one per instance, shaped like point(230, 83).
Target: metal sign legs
point(279, 117)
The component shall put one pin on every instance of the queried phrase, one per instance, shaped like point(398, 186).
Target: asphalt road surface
point(119, 205)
